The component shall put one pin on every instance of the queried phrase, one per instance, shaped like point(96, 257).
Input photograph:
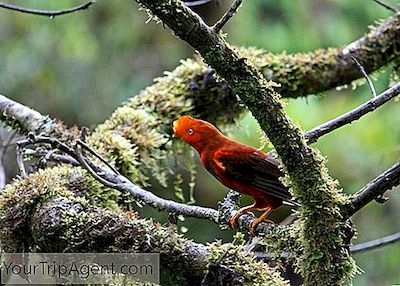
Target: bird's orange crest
point(194, 131)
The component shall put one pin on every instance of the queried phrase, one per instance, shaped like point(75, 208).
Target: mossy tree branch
point(309, 73)
point(302, 74)
point(125, 137)
point(66, 179)
point(47, 212)
point(326, 259)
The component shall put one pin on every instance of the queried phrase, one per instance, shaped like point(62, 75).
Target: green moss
point(21, 198)
point(291, 70)
point(242, 262)
point(52, 211)
point(77, 226)
point(325, 257)
point(282, 240)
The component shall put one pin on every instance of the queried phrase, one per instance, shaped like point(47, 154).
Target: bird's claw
point(234, 219)
point(254, 223)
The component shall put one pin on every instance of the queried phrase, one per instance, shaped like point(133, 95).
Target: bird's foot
point(234, 219)
point(255, 222)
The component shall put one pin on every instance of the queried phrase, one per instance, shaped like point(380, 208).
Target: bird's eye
point(190, 131)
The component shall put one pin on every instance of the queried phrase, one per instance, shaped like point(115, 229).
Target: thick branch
point(103, 231)
point(309, 73)
point(23, 118)
point(47, 13)
point(353, 115)
point(373, 190)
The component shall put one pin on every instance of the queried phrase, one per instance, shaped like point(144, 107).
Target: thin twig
point(314, 134)
point(48, 13)
point(63, 159)
point(225, 18)
point(82, 160)
point(125, 185)
point(20, 161)
point(196, 3)
point(374, 189)
point(361, 247)
point(364, 73)
point(50, 155)
point(387, 6)
point(97, 155)
point(376, 243)
point(32, 139)
point(3, 151)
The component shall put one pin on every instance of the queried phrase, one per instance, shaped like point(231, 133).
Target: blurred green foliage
point(80, 67)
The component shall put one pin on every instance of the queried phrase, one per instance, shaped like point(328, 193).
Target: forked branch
point(228, 15)
point(352, 115)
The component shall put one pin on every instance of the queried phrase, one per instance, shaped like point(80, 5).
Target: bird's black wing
point(255, 171)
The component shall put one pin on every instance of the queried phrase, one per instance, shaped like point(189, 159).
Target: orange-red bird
point(237, 166)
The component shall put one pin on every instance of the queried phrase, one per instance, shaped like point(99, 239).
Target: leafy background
point(80, 67)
